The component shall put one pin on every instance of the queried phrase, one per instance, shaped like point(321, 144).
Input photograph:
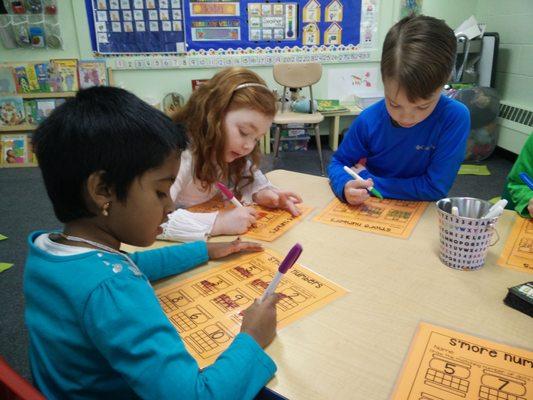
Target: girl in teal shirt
point(96, 328)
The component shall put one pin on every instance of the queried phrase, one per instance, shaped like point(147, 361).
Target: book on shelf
point(11, 111)
point(63, 75)
point(92, 73)
point(42, 72)
point(326, 105)
point(26, 78)
point(15, 148)
point(7, 80)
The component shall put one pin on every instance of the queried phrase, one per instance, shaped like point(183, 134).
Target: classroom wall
point(511, 18)
point(514, 77)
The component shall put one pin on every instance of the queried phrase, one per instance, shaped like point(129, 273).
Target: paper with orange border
point(395, 218)
point(205, 309)
point(518, 250)
point(270, 225)
point(445, 364)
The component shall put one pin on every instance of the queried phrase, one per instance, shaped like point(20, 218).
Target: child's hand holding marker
point(235, 221)
point(259, 320)
point(357, 191)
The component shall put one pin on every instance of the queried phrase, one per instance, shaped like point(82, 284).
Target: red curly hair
point(203, 118)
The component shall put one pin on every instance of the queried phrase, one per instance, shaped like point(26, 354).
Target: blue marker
point(526, 179)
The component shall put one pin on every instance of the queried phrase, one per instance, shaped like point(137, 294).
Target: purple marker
point(285, 265)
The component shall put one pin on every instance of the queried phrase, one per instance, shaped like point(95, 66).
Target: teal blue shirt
point(97, 331)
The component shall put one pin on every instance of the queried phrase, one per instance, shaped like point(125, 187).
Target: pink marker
point(285, 265)
point(229, 195)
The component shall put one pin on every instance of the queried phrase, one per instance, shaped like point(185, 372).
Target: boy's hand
point(234, 222)
point(530, 207)
point(278, 199)
point(355, 192)
point(259, 320)
point(219, 250)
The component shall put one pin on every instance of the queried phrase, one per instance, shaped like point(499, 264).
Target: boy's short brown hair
point(418, 53)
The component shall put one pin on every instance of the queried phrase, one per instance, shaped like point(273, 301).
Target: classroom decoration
point(92, 73)
point(446, 364)
point(30, 91)
point(271, 223)
point(410, 7)
point(346, 84)
point(518, 250)
point(206, 309)
point(30, 24)
point(395, 218)
point(216, 33)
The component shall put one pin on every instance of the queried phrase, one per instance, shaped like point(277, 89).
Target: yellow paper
point(270, 225)
point(472, 169)
point(444, 364)
point(518, 251)
point(4, 266)
point(205, 309)
point(394, 218)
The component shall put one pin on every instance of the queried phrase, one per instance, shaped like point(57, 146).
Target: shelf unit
point(28, 127)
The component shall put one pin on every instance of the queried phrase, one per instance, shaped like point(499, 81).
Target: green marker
point(354, 175)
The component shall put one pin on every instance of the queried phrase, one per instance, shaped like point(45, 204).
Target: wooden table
point(354, 347)
point(351, 110)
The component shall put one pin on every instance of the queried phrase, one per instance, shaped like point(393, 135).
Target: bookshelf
point(26, 128)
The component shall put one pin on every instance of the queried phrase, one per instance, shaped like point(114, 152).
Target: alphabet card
point(518, 251)
point(396, 218)
point(205, 309)
point(270, 224)
point(445, 364)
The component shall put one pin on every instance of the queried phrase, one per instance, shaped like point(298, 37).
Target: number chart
point(270, 224)
point(205, 309)
point(394, 218)
point(447, 365)
point(518, 251)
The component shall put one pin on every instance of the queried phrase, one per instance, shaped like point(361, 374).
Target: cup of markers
point(466, 228)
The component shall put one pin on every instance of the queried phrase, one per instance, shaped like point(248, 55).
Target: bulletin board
point(317, 30)
point(136, 26)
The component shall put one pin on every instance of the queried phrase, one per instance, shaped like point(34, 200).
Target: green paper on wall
point(4, 266)
point(469, 169)
point(2, 237)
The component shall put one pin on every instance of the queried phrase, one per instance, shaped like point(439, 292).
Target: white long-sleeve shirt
point(186, 226)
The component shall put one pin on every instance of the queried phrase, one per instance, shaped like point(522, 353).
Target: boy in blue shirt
point(414, 139)
point(95, 325)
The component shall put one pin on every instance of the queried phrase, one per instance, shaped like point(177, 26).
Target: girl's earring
point(105, 209)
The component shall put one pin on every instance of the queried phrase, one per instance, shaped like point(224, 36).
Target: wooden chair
point(298, 76)
point(15, 387)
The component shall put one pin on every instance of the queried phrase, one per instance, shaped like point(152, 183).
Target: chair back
point(15, 387)
point(297, 75)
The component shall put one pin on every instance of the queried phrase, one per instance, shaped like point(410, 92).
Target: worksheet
point(443, 364)
point(205, 309)
point(518, 250)
point(396, 218)
point(271, 224)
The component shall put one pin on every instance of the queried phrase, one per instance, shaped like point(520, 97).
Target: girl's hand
point(278, 199)
point(259, 320)
point(234, 222)
point(355, 192)
point(530, 207)
point(219, 250)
